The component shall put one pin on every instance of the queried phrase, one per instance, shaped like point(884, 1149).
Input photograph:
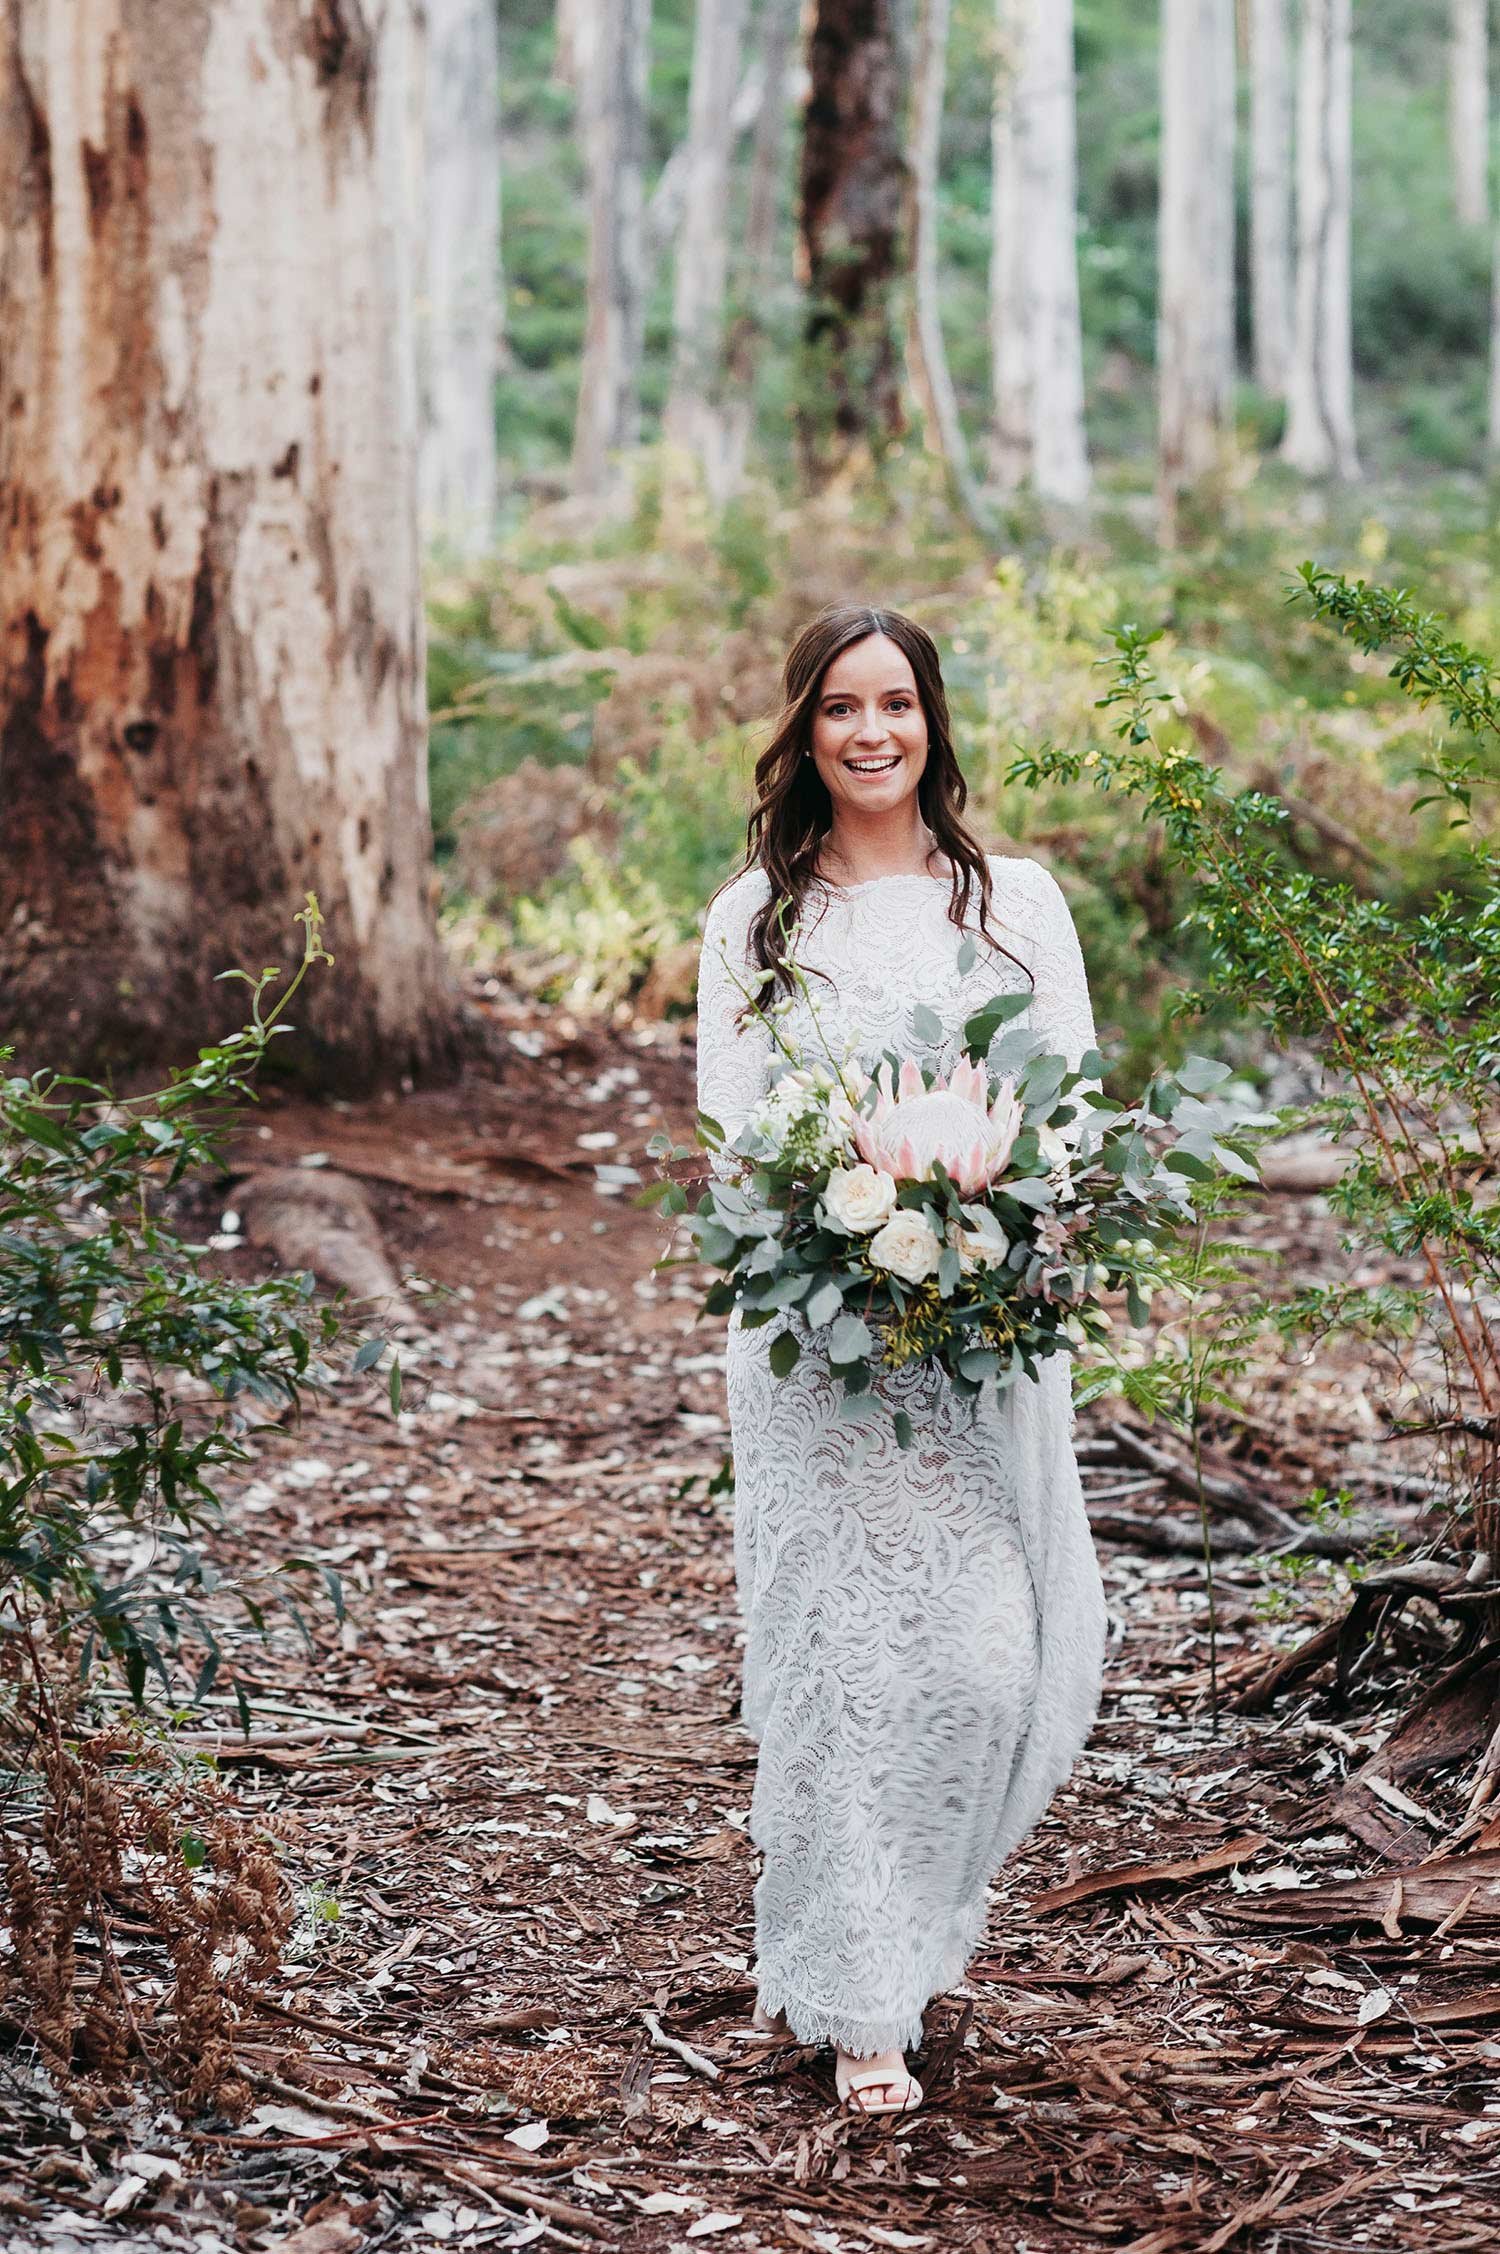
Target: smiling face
point(869, 732)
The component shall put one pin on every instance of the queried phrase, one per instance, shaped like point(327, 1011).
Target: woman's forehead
point(876, 663)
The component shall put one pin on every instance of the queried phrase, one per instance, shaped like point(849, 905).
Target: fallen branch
point(684, 2051)
point(1129, 1878)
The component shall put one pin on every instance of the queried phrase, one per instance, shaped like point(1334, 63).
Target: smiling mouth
point(882, 766)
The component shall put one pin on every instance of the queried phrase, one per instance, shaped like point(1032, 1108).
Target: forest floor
point(513, 1792)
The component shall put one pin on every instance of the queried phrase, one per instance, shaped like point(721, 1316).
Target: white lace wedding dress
point(924, 1627)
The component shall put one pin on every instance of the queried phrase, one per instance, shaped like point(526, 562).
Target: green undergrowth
point(562, 650)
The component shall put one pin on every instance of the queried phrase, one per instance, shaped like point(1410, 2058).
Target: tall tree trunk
point(779, 21)
point(575, 31)
point(460, 329)
point(927, 352)
point(1270, 194)
point(853, 203)
point(1320, 418)
point(1469, 108)
point(1036, 333)
point(1195, 325)
point(694, 416)
point(613, 117)
point(213, 646)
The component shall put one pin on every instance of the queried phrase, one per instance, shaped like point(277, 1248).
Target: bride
point(924, 1627)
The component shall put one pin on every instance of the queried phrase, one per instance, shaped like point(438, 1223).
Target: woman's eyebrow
point(898, 689)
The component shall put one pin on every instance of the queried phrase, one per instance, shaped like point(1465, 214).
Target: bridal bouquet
point(968, 1218)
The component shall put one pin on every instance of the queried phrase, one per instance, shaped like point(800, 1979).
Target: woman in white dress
point(924, 1627)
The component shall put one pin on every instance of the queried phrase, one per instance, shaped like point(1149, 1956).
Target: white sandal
point(849, 2082)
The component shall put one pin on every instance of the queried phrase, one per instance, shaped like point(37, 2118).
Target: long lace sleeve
point(734, 1062)
point(1061, 1010)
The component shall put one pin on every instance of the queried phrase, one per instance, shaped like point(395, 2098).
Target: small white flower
point(860, 1197)
point(906, 1247)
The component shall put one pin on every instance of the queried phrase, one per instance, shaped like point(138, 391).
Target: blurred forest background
point(597, 673)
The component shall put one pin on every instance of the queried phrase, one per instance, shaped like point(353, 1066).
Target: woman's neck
point(894, 845)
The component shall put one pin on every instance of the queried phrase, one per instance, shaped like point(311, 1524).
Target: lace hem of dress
point(862, 2038)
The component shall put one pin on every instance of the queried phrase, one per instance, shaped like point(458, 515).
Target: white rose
point(906, 1247)
point(976, 1248)
point(860, 1197)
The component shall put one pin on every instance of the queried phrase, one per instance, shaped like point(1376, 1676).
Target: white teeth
point(871, 766)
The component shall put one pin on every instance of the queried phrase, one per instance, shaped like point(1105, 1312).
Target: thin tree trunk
point(928, 355)
point(460, 332)
point(1195, 324)
point(779, 20)
point(668, 199)
point(213, 645)
point(1036, 337)
point(1012, 319)
point(1270, 194)
point(1320, 418)
point(694, 416)
point(613, 115)
point(1469, 108)
point(852, 250)
point(1494, 418)
point(575, 33)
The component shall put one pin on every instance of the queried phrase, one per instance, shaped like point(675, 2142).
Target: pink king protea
point(953, 1120)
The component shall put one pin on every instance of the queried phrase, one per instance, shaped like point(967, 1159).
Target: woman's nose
point(871, 729)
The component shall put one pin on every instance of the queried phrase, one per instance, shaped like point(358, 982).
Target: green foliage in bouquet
point(130, 1375)
point(970, 1220)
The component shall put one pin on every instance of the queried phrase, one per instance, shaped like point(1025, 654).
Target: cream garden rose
point(906, 1247)
point(977, 1248)
point(859, 1197)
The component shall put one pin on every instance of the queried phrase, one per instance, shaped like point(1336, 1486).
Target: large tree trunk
point(1270, 194)
point(928, 354)
point(694, 416)
point(852, 251)
point(460, 329)
point(778, 41)
point(1469, 108)
point(1320, 393)
point(213, 642)
point(612, 108)
point(1195, 325)
point(1036, 335)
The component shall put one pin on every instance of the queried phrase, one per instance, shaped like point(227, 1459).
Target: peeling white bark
point(612, 111)
point(460, 324)
point(1469, 108)
point(213, 658)
point(1195, 323)
point(1036, 336)
point(694, 418)
point(1320, 437)
point(1270, 193)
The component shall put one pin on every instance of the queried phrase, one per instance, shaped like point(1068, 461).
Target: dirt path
point(514, 1789)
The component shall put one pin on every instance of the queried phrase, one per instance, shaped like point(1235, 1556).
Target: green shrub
point(130, 1373)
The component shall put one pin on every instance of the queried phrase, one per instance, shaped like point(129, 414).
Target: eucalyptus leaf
point(849, 1338)
point(786, 1352)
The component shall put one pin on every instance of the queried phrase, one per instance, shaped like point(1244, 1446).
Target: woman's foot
point(768, 2025)
point(881, 2084)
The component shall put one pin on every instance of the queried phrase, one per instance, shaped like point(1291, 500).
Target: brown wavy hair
point(793, 812)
